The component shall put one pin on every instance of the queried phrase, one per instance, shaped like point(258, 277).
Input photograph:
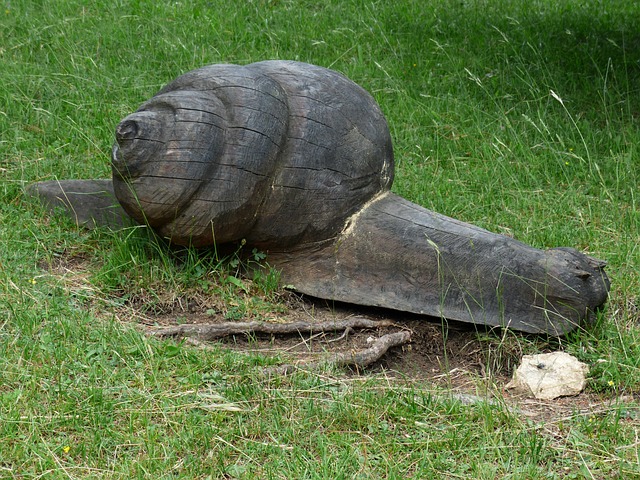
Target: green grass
point(520, 117)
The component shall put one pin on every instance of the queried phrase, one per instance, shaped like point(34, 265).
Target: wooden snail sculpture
point(297, 160)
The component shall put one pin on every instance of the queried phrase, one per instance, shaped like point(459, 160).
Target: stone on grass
point(549, 375)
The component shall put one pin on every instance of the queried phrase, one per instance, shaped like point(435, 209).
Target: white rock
point(550, 375)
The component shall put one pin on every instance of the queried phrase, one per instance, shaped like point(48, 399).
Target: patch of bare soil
point(473, 363)
point(434, 351)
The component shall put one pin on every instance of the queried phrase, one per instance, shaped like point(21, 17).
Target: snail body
point(297, 160)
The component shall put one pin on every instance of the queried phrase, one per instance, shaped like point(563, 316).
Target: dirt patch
point(471, 362)
point(435, 350)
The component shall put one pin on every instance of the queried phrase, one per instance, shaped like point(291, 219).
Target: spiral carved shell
point(268, 152)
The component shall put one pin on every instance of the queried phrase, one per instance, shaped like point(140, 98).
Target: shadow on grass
point(582, 52)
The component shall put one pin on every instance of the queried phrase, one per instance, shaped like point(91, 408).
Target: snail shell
point(275, 152)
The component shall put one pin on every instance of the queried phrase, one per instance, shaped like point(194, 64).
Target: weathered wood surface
point(89, 203)
point(214, 331)
point(398, 255)
point(297, 160)
point(277, 153)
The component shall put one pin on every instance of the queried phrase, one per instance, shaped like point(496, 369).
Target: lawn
point(519, 117)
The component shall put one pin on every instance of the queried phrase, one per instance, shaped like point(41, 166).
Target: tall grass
point(521, 117)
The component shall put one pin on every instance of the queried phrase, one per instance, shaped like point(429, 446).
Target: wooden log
point(297, 160)
point(398, 255)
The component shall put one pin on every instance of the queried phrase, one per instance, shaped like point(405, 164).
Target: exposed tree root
point(353, 359)
point(214, 331)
